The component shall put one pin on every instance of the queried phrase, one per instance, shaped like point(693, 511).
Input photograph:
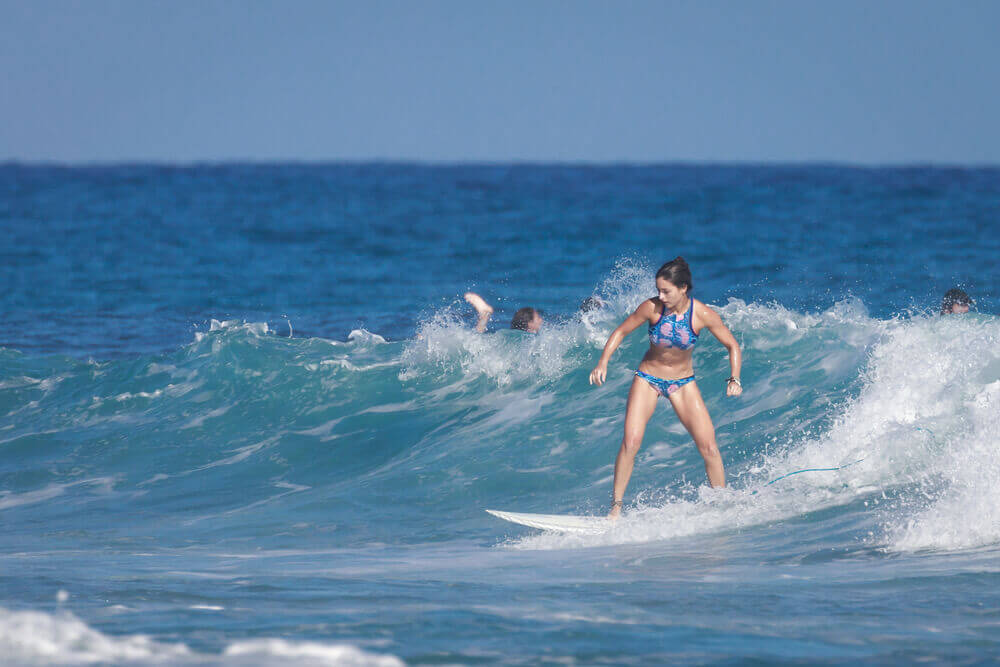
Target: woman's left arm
point(714, 324)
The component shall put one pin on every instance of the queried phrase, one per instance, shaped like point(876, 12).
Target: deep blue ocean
point(245, 417)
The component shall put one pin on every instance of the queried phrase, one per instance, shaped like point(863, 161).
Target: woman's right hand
point(599, 374)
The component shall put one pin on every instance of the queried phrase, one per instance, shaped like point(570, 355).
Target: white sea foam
point(171, 390)
point(211, 414)
point(280, 650)
point(255, 328)
point(965, 510)
point(698, 512)
point(345, 364)
point(324, 431)
point(629, 283)
point(364, 336)
point(39, 638)
point(33, 637)
point(18, 382)
point(777, 327)
point(241, 453)
point(127, 396)
point(8, 499)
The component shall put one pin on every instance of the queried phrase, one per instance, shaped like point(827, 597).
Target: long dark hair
point(678, 272)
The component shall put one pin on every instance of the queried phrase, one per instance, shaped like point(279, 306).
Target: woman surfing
point(675, 320)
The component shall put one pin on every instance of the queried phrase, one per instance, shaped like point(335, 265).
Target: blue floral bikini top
point(671, 332)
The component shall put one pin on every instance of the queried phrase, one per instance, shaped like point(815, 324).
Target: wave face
point(242, 429)
point(303, 478)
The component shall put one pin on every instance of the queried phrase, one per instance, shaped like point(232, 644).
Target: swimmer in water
point(955, 302)
point(525, 319)
point(675, 320)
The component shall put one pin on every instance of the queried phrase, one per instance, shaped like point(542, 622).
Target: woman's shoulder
point(700, 305)
point(705, 314)
point(646, 309)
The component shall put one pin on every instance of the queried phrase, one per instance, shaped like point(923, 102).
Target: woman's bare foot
point(484, 310)
point(616, 510)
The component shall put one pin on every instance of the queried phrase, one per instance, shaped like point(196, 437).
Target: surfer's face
point(670, 294)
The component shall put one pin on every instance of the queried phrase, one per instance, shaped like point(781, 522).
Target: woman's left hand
point(733, 388)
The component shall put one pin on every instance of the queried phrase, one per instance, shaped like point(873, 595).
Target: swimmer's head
point(527, 319)
point(955, 302)
point(673, 282)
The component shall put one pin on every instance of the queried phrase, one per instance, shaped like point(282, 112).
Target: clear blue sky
point(849, 81)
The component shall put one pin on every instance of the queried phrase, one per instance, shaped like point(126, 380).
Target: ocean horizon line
point(476, 163)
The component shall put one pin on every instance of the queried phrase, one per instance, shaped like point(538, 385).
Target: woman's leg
point(641, 403)
point(691, 410)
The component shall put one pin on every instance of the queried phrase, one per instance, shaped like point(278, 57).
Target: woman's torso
point(672, 339)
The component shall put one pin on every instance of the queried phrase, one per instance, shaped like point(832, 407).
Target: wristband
point(736, 380)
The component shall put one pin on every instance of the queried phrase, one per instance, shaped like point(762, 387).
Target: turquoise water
point(246, 418)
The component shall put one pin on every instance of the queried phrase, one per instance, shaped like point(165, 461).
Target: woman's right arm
point(483, 309)
point(642, 314)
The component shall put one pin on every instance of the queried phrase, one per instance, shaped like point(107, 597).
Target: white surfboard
point(560, 523)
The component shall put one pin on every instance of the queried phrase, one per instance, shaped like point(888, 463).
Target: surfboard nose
point(559, 523)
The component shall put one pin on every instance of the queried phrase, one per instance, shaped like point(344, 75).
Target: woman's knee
point(631, 443)
point(709, 450)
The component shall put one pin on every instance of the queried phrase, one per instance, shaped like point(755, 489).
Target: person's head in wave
point(527, 319)
point(955, 302)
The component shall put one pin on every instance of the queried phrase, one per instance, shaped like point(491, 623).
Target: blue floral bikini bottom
point(664, 387)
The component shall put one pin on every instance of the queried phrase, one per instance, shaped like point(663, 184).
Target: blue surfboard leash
point(917, 428)
point(798, 472)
